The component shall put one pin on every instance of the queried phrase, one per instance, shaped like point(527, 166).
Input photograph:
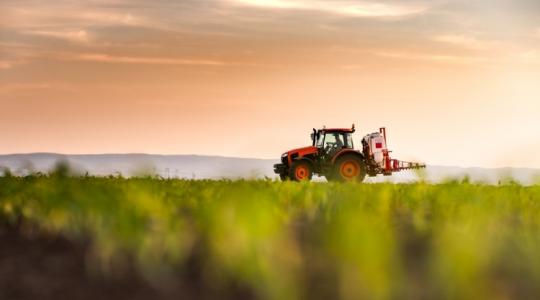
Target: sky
point(455, 82)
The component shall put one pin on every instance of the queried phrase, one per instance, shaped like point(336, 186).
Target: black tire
point(300, 170)
point(329, 177)
point(283, 177)
point(349, 168)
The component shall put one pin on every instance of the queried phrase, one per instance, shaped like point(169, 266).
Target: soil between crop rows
point(44, 266)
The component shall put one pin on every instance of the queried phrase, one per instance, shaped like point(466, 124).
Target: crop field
point(150, 238)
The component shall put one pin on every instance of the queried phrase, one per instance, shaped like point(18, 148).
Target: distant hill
point(214, 167)
point(182, 166)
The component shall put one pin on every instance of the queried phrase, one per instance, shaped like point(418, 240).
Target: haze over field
point(216, 167)
point(454, 81)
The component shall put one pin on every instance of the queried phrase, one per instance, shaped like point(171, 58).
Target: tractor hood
point(303, 151)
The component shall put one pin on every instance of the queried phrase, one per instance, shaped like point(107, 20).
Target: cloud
point(4, 64)
point(10, 63)
point(22, 87)
point(119, 59)
point(441, 58)
point(104, 58)
point(465, 41)
point(349, 8)
point(68, 16)
point(273, 3)
point(70, 35)
point(126, 19)
point(530, 56)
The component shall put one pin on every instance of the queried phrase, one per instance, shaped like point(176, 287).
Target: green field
point(456, 240)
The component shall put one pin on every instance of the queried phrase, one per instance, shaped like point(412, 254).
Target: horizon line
point(230, 157)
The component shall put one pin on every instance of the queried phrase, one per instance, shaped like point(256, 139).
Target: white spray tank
point(377, 147)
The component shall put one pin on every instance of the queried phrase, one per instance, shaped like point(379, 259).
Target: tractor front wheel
point(349, 168)
point(301, 171)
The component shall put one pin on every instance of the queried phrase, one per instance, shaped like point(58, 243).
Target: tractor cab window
point(332, 141)
point(347, 137)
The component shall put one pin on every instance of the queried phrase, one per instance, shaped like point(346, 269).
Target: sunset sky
point(455, 82)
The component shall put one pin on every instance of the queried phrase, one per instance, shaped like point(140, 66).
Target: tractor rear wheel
point(300, 171)
point(349, 168)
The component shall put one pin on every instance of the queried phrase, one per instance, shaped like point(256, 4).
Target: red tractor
point(333, 156)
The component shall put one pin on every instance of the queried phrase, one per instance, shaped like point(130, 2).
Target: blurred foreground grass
point(456, 240)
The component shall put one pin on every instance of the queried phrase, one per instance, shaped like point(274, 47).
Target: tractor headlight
point(284, 155)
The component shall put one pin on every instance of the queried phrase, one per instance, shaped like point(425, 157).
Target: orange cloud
point(4, 64)
point(466, 41)
point(441, 58)
point(105, 58)
point(145, 60)
point(349, 8)
point(69, 35)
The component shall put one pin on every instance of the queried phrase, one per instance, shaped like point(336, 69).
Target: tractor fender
point(304, 158)
point(301, 152)
point(347, 151)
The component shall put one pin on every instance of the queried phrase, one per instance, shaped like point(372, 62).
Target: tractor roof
point(346, 130)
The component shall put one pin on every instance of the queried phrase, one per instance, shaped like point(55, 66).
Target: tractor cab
point(331, 141)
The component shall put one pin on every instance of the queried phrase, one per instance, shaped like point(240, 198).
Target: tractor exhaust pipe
point(382, 131)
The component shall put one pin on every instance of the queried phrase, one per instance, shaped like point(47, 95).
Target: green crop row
point(455, 240)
